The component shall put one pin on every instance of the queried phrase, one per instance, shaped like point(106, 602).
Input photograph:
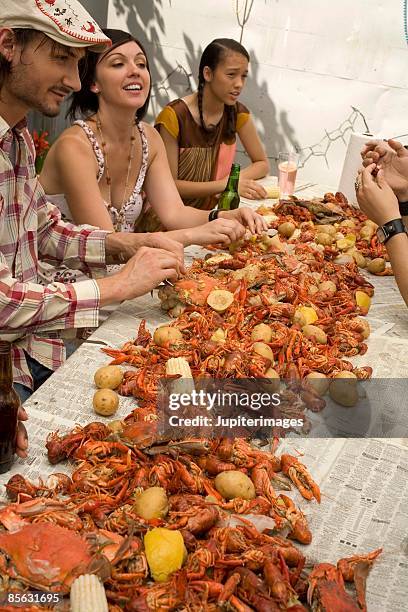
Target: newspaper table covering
point(363, 482)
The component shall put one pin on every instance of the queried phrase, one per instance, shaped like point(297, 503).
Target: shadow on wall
point(171, 80)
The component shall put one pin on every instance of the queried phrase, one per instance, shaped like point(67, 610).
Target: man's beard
point(25, 90)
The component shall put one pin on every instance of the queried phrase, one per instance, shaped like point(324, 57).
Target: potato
point(219, 335)
point(220, 300)
point(318, 381)
point(367, 232)
point(116, 426)
point(343, 259)
point(286, 229)
point(152, 503)
point(165, 335)
point(359, 258)
point(313, 331)
point(105, 402)
point(376, 265)
point(108, 377)
point(328, 287)
point(234, 484)
point(261, 332)
point(343, 389)
point(348, 223)
point(370, 223)
point(324, 239)
point(312, 289)
point(260, 348)
point(272, 380)
point(326, 229)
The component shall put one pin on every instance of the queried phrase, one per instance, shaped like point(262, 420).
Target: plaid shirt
point(31, 229)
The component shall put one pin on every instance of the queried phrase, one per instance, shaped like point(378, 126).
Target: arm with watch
point(379, 202)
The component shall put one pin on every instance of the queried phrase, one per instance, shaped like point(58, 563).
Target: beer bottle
point(229, 199)
point(9, 405)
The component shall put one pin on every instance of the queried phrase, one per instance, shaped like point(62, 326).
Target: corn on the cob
point(88, 595)
point(178, 365)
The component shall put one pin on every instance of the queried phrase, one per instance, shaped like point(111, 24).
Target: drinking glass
point(287, 166)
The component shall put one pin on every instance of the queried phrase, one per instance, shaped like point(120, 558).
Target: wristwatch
point(388, 230)
point(403, 208)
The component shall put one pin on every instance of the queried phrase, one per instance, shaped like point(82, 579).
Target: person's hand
point(248, 188)
point(22, 438)
point(123, 245)
point(375, 197)
point(392, 157)
point(249, 218)
point(220, 231)
point(144, 271)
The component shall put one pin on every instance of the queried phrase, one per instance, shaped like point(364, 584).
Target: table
point(365, 497)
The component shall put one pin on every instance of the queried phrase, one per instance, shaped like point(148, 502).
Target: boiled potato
point(313, 331)
point(313, 289)
point(261, 332)
point(286, 229)
point(326, 229)
point(318, 381)
point(108, 377)
point(359, 258)
point(167, 335)
point(116, 426)
point(343, 389)
point(234, 484)
point(367, 232)
point(105, 402)
point(260, 348)
point(220, 300)
point(219, 335)
point(376, 265)
point(152, 503)
point(272, 380)
point(344, 259)
point(348, 223)
point(324, 239)
point(328, 287)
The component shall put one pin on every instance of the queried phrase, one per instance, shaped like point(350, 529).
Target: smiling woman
point(98, 169)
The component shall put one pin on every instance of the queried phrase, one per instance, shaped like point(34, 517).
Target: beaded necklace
point(121, 212)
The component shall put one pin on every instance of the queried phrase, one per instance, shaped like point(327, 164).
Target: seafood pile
point(208, 524)
point(122, 505)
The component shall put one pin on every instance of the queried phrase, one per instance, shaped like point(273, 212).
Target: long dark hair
point(213, 54)
point(85, 102)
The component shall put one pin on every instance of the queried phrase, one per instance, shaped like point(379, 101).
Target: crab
point(187, 291)
point(326, 592)
point(33, 555)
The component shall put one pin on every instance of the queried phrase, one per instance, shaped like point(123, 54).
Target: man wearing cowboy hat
point(41, 43)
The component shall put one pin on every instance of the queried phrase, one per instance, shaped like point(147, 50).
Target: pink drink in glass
point(287, 177)
point(287, 166)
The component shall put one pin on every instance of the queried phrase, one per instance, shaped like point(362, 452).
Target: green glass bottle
point(229, 199)
point(9, 405)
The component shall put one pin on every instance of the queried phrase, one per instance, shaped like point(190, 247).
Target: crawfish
point(300, 477)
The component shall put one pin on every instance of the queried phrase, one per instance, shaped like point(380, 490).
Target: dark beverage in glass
point(229, 199)
point(9, 405)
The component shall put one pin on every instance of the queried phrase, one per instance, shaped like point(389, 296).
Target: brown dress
point(203, 156)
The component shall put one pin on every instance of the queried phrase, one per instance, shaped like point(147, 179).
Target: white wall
point(312, 61)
